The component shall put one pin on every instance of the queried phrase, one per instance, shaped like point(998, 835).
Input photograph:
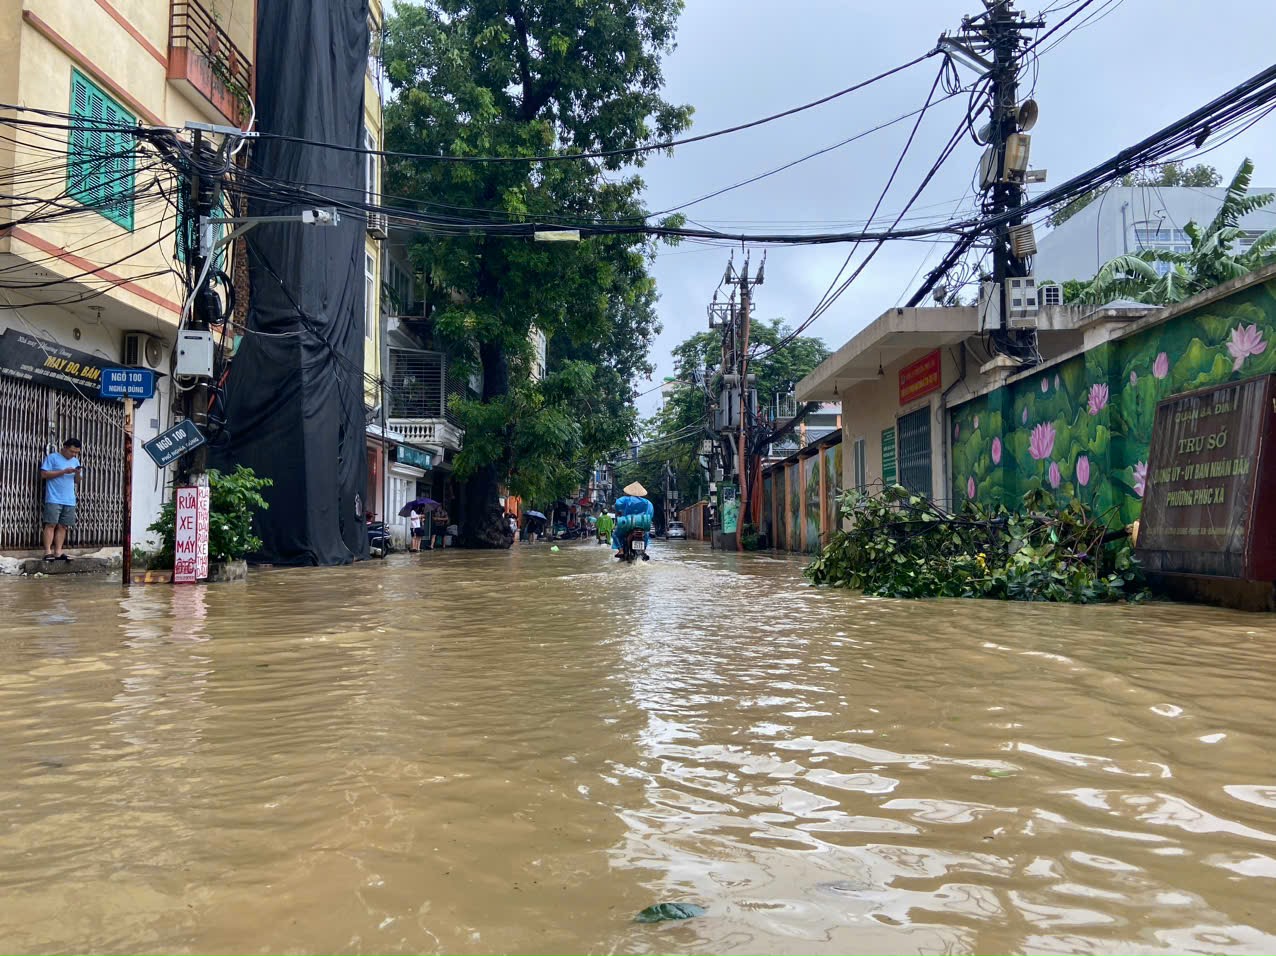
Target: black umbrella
point(419, 504)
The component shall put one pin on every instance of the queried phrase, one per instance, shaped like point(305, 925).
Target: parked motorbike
point(380, 543)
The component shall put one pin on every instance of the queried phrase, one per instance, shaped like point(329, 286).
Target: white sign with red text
point(201, 529)
point(186, 549)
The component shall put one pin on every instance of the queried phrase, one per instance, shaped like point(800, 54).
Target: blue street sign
point(171, 445)
point(134, 383)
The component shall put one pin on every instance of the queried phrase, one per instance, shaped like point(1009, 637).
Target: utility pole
point(194, 401)
point(992, 43)
point(746, 285)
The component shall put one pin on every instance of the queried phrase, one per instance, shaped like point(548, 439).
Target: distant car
point(676, 530)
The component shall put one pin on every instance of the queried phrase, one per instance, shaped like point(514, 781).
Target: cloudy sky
point(1143, 65)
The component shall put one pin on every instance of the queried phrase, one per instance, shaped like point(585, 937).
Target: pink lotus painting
point(1098, 398)
point(1025, 415)
point(996, 451)
point(1083, 470)
point(1041, 443)
point(1140, 477)
point(1161, 367)
point(970, 487)
point(1245, 341)
point(1055, 476)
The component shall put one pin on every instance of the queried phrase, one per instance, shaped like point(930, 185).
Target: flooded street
point(519, 751)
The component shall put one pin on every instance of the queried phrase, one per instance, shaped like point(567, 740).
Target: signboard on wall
point(47, 363)
point(1209, 498)
point(728, 507)
point(890, 473)
point(920, 378)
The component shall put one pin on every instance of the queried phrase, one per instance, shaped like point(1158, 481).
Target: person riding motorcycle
point(633, 513)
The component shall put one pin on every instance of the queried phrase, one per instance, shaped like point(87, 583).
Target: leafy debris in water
point(667, 911)
point(1001, 773)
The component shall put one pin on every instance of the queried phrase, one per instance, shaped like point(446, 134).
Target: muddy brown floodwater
point(519, 751)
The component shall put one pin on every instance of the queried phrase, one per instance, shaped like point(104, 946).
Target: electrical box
point(194, 354)
point(1021, 301)
point(989, 307)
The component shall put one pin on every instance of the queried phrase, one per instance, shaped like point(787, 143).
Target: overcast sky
point(1146, 63)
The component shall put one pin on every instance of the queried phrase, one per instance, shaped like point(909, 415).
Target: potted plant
point(233, 500)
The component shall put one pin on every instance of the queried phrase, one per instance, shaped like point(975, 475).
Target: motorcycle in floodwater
point(633, 546)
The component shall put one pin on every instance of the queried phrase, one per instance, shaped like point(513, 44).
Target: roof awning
point(898, 335)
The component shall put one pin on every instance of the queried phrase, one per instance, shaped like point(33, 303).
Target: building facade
point(1131, 219)
point(99, 284)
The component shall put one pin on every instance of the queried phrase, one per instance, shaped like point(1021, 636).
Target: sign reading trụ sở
point(1209, 497)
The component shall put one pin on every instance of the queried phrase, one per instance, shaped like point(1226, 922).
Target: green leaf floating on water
point(667, 911)
point(1001, 773)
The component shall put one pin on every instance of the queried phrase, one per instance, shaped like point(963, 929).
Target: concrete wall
point(869, 408)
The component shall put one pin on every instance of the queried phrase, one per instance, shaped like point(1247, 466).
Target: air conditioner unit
point(142, 350)
point(1021, 301)
point(1051, 294)
point(378, 226)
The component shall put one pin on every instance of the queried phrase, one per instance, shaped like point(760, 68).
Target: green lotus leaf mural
point(1082, 427)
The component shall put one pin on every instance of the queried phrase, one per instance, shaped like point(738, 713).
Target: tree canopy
point(520, 78)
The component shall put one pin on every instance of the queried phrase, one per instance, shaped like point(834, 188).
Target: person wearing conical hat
point(633, 512)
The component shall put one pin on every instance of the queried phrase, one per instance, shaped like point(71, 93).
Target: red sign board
point(920, 378)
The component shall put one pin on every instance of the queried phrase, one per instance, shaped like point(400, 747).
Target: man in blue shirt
point(61, 474)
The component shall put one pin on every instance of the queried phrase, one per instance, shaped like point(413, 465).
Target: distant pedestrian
point(513, 523)
point(61, 474)
point(439, 523)
point(414, 520)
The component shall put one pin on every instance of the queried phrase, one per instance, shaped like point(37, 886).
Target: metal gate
point(34, 420)
point(914, 452)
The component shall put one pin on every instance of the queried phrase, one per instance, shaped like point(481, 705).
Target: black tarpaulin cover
point(294, 402)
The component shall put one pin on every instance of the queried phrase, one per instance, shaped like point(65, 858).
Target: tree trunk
point(483, 523)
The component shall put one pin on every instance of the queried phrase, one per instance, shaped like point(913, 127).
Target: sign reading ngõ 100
point(920, 378)
point(1210, 495)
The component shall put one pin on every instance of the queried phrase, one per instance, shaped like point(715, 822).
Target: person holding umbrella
point(414, 511)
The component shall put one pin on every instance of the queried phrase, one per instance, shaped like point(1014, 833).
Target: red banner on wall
point(920, 378)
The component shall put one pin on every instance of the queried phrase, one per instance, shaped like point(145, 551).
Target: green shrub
point(902, 545)
point(232, 501)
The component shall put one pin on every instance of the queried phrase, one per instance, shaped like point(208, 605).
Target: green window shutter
point(100, 170)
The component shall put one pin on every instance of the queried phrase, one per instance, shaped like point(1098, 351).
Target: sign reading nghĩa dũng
point(1209, 502)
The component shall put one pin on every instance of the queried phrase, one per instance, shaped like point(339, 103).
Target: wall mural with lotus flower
point(1081, 428)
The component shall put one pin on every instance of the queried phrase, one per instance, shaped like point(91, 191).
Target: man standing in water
point(61, 474)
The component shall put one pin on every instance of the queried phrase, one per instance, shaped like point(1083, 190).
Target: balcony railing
point(202, 57)
point(436, 432)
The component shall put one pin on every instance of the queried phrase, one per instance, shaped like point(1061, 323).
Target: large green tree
point(1212, 259)
point(521, 78)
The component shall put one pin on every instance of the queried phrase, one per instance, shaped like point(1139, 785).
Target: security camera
point(320, 217)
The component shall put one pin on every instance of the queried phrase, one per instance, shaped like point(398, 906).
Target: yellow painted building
point(97, 284)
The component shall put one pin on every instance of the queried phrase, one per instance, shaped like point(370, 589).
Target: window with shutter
point(100, 158)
